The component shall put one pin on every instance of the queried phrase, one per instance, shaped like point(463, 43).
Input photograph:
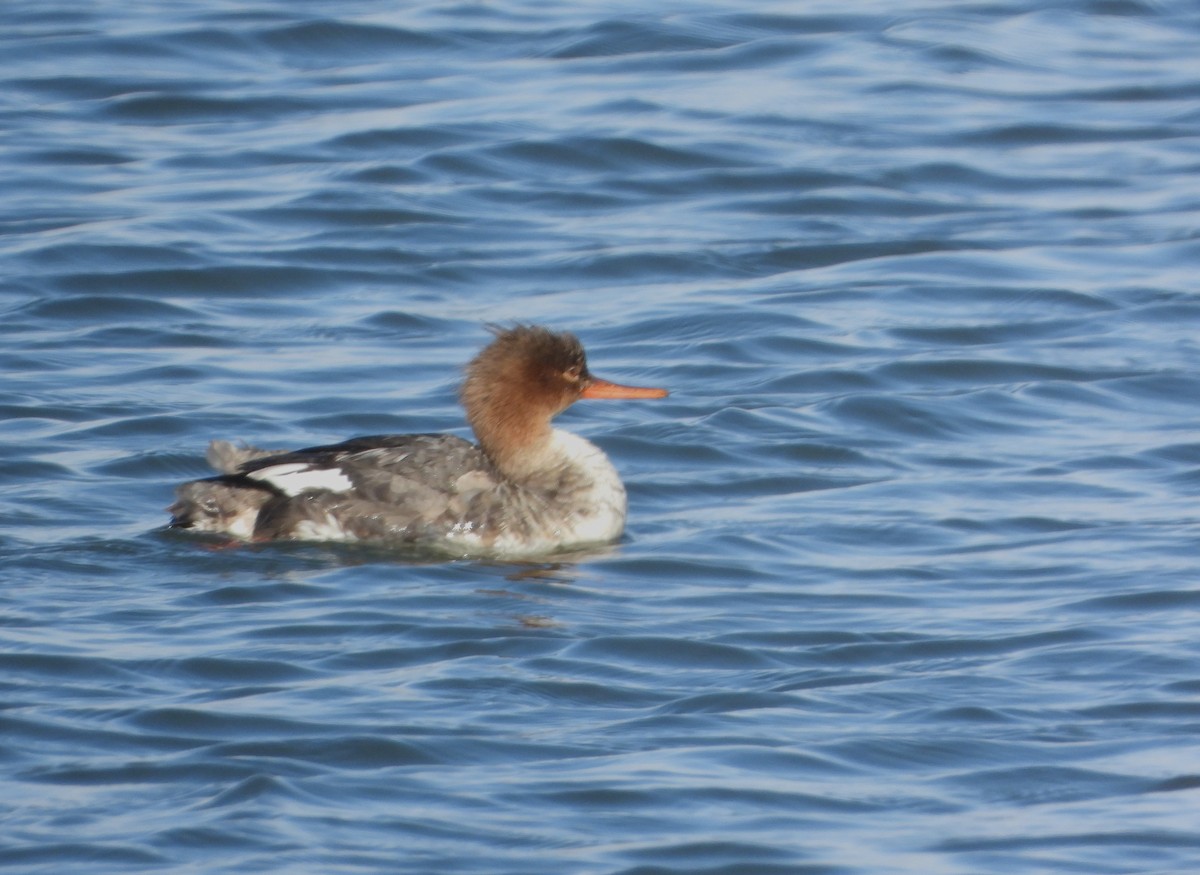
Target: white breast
point(596, 512)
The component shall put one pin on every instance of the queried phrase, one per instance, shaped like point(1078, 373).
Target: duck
point(523, 488)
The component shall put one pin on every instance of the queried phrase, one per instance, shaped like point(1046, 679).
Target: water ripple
point(909, 578)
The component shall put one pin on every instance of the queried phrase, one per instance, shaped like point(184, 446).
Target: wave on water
point(908, 583)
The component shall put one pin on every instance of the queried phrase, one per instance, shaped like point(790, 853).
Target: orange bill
point(598, 388)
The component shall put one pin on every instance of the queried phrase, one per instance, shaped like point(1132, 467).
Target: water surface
point(909, 583)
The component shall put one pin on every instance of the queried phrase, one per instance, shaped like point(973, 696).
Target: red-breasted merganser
point(525, 489)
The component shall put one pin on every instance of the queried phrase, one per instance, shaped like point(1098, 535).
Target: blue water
point(910, 582)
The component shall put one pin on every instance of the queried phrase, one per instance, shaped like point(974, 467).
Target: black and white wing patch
point(296, 478)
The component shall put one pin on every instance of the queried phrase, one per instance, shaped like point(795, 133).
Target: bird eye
point(573, 372)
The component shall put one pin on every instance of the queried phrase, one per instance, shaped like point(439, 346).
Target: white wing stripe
point(294, 478)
